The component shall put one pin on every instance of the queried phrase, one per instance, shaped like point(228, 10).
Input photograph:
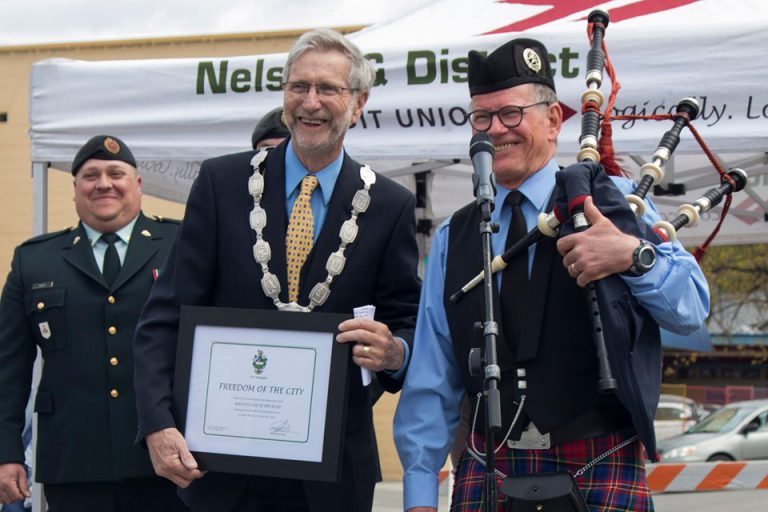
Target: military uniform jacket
point(55, 298)
point(212, 264)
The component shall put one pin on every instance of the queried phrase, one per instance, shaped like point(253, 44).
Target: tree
point(738, 281)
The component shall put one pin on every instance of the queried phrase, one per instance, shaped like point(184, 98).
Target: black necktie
point(514, 278)
point(111, 259)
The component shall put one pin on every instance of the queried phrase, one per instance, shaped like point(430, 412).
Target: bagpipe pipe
point(591, 177)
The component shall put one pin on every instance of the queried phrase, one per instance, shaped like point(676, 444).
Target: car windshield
point(721, 420)
point(673, 412)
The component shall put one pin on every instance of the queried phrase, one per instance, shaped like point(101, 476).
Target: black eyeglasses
point(324, 90)
point(510, 116)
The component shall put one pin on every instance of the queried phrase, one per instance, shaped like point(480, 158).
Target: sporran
point(543, 492)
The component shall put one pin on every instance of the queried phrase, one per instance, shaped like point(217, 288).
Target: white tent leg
point(39, 198)
point(39, 226)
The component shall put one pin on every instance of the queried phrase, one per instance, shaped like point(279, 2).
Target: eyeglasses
point(324, 90)
point(510, 116)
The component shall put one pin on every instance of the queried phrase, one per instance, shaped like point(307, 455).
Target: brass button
point(111, 299)
point(41, 306)
point(114, 393)
point(113, 361)
point(112, 330)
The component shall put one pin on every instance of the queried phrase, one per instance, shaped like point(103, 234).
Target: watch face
point(647, 256)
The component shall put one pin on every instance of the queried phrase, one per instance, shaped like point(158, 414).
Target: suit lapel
point(339, 208)
point(79, 253)
point(141, 248)
point(273, 202)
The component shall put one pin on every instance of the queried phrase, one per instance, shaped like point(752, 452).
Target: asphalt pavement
point(389, 498)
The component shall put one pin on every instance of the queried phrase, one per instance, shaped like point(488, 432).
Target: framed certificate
point(262, 392)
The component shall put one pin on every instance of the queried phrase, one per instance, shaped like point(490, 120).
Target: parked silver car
point(676, 414)
point(737, 431)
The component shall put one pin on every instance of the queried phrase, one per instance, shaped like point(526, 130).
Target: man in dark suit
point(235, 249)
point(77, 294)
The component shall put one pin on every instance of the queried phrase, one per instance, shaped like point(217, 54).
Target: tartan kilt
point(615, 484)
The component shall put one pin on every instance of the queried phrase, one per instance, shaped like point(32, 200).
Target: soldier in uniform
point(270, 130)
point(76, 294)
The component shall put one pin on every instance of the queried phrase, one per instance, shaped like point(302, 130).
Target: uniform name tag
point(39, 286)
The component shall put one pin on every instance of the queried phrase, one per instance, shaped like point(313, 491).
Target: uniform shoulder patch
point(47, 236)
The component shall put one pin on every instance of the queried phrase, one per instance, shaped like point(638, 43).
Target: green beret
point(520, 61)
point(103, 147)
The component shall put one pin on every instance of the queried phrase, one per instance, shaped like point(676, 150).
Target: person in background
point(270, 130)
point(76, 295)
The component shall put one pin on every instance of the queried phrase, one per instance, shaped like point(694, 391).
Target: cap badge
point(532, 60)
point(111, 145)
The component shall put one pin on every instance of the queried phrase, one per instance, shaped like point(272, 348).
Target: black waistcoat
point(556, 348)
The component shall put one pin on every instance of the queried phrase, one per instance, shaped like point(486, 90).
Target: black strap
point(111, 267)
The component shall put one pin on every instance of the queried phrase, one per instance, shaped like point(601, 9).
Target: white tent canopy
point(175, 112)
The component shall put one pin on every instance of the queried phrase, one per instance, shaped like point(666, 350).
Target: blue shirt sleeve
point(398, 374)
point(674, 291)
point(428, 411)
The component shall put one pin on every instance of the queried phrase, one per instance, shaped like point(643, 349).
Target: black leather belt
point(591, 424)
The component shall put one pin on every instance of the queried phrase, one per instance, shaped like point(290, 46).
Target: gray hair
point(361, 72)
point(543, 93)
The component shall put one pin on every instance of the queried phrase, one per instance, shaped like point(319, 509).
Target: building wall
point(15, 167)
point(16, 63)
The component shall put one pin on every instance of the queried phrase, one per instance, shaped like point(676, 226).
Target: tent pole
point(39, 226)
point(39, 197)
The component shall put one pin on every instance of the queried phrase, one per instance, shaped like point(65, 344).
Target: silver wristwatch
point(643, 258)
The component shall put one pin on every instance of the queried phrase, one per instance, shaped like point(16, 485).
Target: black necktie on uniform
point(111, 265)
point(514, 278)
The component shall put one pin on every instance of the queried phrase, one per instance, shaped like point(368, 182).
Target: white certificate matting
point(258, 392)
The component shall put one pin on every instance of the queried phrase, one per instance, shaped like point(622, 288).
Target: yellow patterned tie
point(298, 238)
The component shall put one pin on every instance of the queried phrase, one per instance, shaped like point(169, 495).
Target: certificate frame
point(263, 328)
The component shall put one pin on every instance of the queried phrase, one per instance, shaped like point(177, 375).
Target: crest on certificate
point(259, 362)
